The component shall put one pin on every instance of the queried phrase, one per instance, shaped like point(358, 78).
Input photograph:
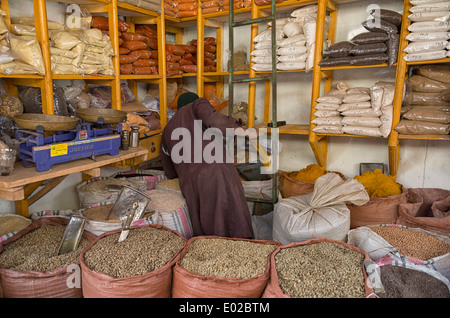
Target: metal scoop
point(72, 235)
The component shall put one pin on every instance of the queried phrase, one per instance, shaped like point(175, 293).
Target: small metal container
point(125, 140)
point(134, 137)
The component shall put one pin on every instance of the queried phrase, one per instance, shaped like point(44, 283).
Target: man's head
point(186, 98)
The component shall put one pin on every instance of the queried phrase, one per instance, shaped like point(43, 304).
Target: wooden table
point(24, 181)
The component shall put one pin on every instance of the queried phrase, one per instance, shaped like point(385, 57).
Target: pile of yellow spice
point(378, 184)
point(308, 174)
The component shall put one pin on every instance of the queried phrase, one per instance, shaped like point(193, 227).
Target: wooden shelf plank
point(425, 137)
point(289, 129)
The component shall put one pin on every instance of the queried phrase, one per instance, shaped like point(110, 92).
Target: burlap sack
point(35, 284)
point(192, 285)
point(290, 187)
point(155, 284)
point(273, 289)
point(377, 210)
point(428, 209)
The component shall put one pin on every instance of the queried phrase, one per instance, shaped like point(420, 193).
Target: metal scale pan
point(45, 122)
point(103, 115)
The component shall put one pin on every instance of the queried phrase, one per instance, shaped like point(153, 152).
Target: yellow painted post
point(402, 69)
point(317, 78)
point(255, 13)
point(40, 16)
point(161, 33)
point(200, 50)
point(113, 18)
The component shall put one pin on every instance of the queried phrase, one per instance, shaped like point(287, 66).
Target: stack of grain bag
point(261, 55)
point(152, 5)
point(426, 104)
point(428, 37)
point(377, 44)
point(356, 111)
point(209, 53)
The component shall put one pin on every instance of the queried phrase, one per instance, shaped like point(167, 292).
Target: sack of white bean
point(322, 213)
point(138, 267)
point(30, 266)
point(221, 267)
point(388, 242)
point(318, 268)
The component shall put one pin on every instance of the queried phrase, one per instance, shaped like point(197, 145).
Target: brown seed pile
point(101, 186)
point(165, 201)
point(99, 213)
point(12, 223)
point(412, 243)
point(320, 270)
point(38, 250)
point(227, 258)
point(401, 282)
point(146, 249)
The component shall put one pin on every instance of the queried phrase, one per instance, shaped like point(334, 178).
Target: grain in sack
point(322, 213)
point(10, 224)
point(318, 268)
point(394, 242)
point(138, 267)
point(219, 267)
point(30, 266)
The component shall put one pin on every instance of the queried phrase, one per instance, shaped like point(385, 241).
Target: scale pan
point(110, 116)
point(47, 122)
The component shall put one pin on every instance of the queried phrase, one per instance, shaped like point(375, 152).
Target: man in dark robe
point(213, 190)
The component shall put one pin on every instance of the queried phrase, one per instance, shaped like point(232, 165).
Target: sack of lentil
point(220, 267)
point(428, 209)
point(145, 179)
point(322, 213)
point(318, 268)
point(138, 267)
point(394, 242)
point(30, 268)
point(10, 224)
point(169, 184)
point(96, 190)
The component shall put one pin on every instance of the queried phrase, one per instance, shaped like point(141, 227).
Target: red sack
point(130, 36)
point(35, 284)
point(189, 68)
point(126, 68)
point(123, 51)
point(99, 22)
point(127, 59)
point(144, 63)
point(145, 70)
point(134, 45)
point(142, 54)
point(175, 49)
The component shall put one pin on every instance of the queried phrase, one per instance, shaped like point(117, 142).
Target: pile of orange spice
point(378, 184)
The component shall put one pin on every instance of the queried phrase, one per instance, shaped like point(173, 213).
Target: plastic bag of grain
point(170, 210)
point(138, 267)
point(428, 209)
point(30, 268)
point(308, 269)
point(10, 224)
point(394, 242)
point(96, 190)
point(322, 213)
point(217, 267)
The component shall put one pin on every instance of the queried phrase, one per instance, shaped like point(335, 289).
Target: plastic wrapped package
point(370, 37)
point(22, 29)
point(32, 102)
point(419, 83)
point(3, 27)
point(424, 99)
point(389, 16)
point(427, 36)
point(291, 66)
point(292, 28)
point(369, 59)
point(298, 40)
point(413, 127)
point(367, 49)
point(339, 49)
point(361, 121)
point(429, 114)
point(429, 16)
point(375, 25)
point(10, 105)
point(425, 46)
point(357, 105)
point(386, 120)
point(430, 7)
point(429, 26)
point(392, 48)
point(425, 56)
point(64, 40)
point(328, 129)
point(437, 72)
point(51, 25)
point(27, 51)
point(335, 61)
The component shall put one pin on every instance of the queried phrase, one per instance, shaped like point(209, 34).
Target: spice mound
point(38, 250)
point(227, 258)
point(412, 243)
point(378, 184)
point(308, 174)
point(320, 270)
point(145, 250)
point(401, 282)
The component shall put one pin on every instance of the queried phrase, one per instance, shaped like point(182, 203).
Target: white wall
point(423, 164)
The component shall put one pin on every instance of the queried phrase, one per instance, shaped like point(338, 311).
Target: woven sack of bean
point(169, 184)
point(220, 267)
point(145, 179)
point(318, 268)
point(30, 268)
point(397, 280)
point(138, 267)
point(10, 224)
point(170, 209)
point(428, 209)
point(301, 182)
point(96, 190)
point(321, 213)
point(394, 242)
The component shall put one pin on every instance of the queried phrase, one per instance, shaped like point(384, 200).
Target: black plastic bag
point(370, 37)
point(387, 15)
point(335, 61)
point(392, 46)
point(369, 59)
point(339, 49)
point(32, 101)
point(368, 49)
point(377, 25)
